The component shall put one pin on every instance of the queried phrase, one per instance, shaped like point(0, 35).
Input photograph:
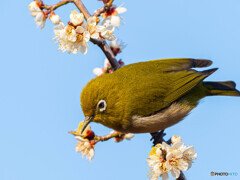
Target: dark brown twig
point(55, 6)
point(107, 51)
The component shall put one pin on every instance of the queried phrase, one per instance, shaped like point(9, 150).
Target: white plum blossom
point(175, 162)
point(36, 11)
point(55, 18)
point(72, 40)
point(92, 27)
point(106, 31)
point(111, 16)
point(84, 146)
point(189, 155)
point(164, 158)
point(156, 162)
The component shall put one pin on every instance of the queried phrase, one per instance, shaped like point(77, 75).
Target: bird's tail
point(224, 88)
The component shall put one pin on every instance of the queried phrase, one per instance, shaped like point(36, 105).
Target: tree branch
point(100, 42)
point(107, 51)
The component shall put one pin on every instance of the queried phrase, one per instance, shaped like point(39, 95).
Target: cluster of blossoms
point(74, 36)
point(36, 8)
point(164, 158)
point(84, 145)
point(87, 140)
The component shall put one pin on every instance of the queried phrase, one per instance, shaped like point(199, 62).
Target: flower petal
point(97, 72)
point(115, 21)
point(83, 49)
point(92, 21)
point(175, 173)
point(86, 36)
point(95, 35)
point(182, 165)
point(121, 10)
point(80, 29)
point(165, 176)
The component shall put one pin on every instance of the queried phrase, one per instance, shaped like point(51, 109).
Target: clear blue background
point(40, 89)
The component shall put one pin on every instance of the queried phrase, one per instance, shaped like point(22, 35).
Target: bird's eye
point(102, 105)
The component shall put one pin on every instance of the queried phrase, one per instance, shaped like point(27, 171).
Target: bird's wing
point(177, 64)
point(154, 85)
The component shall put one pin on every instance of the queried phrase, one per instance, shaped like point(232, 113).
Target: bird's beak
point(87, 120)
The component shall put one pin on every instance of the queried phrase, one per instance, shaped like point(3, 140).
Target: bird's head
point(100, 101)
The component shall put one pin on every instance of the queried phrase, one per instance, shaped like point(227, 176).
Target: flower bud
point(176, 139)
point(98, 72)
point(129, 136)
point(54, 18)
point(34, 8)
point(76, 18)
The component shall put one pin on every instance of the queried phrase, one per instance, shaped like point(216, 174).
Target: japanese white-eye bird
point(150, 96)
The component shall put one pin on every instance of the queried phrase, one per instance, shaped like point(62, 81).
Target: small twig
point(109, 136)
point(106, 6)
point(98, 12)
point(95, 139)
point(55, 6)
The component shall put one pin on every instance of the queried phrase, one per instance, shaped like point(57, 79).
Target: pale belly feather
point(161, 120)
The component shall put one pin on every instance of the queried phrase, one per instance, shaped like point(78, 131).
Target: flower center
point(173, 161)
point(69, 29)
point(79, 37)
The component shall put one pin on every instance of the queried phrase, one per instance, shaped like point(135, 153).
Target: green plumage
point(147, 88)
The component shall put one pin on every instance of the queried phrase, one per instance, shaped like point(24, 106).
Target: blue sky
point(40, 89)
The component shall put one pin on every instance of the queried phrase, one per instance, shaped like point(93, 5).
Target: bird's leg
point(182, 176)
point(157, 137)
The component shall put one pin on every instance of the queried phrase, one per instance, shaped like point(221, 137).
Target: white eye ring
point(102, 105)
